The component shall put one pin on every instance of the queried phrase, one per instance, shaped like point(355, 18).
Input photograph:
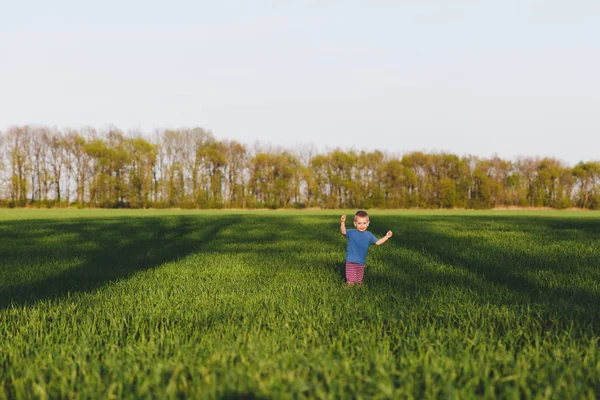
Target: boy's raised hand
point(343, 225)
point(388, 234)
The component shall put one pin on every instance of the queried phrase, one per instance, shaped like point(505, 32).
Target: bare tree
point(173, 148)
point(18, 146)
point(78, 161)
point(53, 141)
point(527, 167)
point(197, 140)
point(236, 157)
point(3, 165)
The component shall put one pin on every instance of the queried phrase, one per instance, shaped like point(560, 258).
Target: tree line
point(189, 168)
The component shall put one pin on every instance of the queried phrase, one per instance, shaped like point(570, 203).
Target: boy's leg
point(354, 273)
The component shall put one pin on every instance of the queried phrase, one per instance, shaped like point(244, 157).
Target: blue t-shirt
point(358, 244)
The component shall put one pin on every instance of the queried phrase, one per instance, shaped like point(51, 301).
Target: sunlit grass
point(170, 304)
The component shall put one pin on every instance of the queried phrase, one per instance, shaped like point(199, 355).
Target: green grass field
point(171, 304)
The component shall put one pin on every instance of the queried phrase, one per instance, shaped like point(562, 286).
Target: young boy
point(359, 240)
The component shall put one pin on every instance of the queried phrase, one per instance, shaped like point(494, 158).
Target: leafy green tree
point(345, 184)
point(443, 174)
point(565, 188)
point(236, 157)
point(119, 160)
point(370, 172)
point(587, 175)
point(417, 178)
point(482, 189)
point(320, 185)
point(527, 168)
point(394, 186)
point(411, 183)
point(260, 182)
point(285, 167)
point(143, 161)
point(172, 167)
point(78, 161)
point(497, 172)
point(214, 156)
point(99, 185)
point(513, 194)
point(552, 176)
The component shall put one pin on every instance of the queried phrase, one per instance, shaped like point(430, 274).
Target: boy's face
point(361, 223)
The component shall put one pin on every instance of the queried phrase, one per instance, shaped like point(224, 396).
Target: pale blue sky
point(469, 77)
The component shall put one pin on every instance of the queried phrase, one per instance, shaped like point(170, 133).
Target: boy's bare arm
point(343, 225)
point(384, 239)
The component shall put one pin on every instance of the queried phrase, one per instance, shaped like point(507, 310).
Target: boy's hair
point(361, 214)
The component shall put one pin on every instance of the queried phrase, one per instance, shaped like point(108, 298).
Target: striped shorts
point(354, 273)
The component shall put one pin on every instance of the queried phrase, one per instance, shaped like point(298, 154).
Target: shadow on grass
point(35, 253)
point(49, 259)
point(544, 266)
point(483, 247)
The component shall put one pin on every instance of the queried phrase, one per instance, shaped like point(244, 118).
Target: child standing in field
point(359, 240)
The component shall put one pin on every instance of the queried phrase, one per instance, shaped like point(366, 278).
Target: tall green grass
point(171, 304)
